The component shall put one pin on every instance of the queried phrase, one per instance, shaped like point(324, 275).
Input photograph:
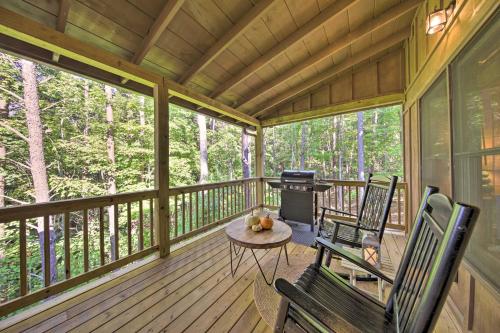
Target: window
point(435, 134)
point(475, 83)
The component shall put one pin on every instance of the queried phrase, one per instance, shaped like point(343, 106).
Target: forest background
point(63, 136)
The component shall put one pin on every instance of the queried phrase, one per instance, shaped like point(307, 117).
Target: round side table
point(240, 236)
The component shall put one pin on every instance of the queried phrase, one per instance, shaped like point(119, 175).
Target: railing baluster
point(190, 211)
point(218, 206)
point(85, 240)
point(183, 209)
point(203, 208)
point(357, 200)
point(151, 224)
point(176, 213)
point(117, 233)
point(224, 193)
point(141, 227)
point(349, 197)
point(101, 234)
point(23, 280)
point(233, 203)
point(129, 228)
point(399, 206)
point(67, 263)
point(213, 206)
point(329, 198)
point(197, 209)
point(46, 250)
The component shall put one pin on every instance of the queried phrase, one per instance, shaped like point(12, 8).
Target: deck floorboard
point(190, 291)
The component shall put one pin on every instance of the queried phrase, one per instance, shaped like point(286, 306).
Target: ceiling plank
point(62, 18)
point(20, 27)
point(365, 29)
point(371, 51)
point(279, 48)
point(168, 12)
point(237, 30)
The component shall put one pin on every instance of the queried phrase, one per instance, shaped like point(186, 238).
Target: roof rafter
point(220, 45)
point(366, 28)
point(62, 19)
point(313, 24)
point(166, 15)
point(369, 52)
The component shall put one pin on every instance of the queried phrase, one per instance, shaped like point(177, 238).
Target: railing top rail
point(16, 213)
point(207, 186)
point(359, 183)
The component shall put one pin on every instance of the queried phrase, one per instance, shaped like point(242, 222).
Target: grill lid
point(298, 176)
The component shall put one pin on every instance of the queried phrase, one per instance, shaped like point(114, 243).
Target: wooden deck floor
point(190, 291)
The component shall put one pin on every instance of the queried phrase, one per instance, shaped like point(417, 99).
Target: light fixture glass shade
point(436, 21)
point(371, 249)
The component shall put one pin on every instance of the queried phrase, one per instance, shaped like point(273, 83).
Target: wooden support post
point(161, 168)
point(259, 165)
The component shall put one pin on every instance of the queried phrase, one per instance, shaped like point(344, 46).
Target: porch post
point(161, 212)
point(259, 165)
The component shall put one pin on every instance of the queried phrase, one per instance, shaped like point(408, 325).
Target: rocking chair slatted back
point(429, 261)
point(376, 202)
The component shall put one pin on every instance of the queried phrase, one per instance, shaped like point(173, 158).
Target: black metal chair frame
point(372, 217)
point(321, 301)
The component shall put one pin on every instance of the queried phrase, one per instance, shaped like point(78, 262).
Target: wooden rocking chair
point(321, 301)
point(372, 217)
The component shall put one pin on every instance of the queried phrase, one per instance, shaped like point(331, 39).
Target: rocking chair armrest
point(352, 258)
point(369, 229)
point(338, 211)
point(305, 302)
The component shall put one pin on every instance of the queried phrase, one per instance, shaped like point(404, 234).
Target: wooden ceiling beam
point(62, 19)
point(369, 52)
point(220, 45)
point(166, 15)
point(365, 29)
point(22, 28)
point(313, 24)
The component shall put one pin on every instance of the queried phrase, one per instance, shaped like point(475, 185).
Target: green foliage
point(331, 145)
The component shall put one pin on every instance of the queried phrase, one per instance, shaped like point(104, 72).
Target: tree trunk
point(202, 126)
point(361, 148)
point(3, 114)
point(111, 176)
point(303, 146)
point(86, 103)
point(245, 162)
point(340, 127)
point(334, 145)
point(37, 159)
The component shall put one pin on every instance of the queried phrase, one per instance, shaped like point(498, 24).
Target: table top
point(240, 234)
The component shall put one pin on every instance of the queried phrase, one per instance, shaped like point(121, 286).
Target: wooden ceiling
point(248, 54)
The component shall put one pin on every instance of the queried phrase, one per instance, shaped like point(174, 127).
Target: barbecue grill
point(299, 199)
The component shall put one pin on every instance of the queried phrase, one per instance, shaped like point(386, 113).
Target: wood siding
point(375, 83)
point(474, 303)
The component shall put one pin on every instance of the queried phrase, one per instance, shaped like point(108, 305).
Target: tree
point(37, 159)
point(361, 147)
point(111, 176)
point(303, 145)
point(202, 126)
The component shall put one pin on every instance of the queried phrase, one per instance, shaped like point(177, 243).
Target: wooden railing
point(80, 254)
point(346, 195)
point(85, 247)
point(194, 209)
